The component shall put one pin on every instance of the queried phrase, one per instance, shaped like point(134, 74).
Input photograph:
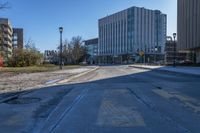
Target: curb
point(77, 76)
point(161, 70)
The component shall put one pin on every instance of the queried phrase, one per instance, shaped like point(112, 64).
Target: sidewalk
point(179, 69)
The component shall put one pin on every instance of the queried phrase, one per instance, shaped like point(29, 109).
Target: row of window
point(129, 34)
point(114, 34)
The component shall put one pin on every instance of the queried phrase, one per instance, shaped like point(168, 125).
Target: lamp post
point(61, 31)
point(145, 54)
point(174, 36)
point(155, 54)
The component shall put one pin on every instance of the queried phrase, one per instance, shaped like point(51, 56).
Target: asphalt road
point(121, 99)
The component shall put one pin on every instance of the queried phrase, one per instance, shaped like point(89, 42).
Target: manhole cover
point(24, 100)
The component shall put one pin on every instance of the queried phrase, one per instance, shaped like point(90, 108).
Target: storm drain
point(22, 100)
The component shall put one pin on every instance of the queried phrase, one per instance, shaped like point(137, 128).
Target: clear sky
point(41, 18)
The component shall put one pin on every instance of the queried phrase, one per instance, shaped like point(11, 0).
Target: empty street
point(110, 99)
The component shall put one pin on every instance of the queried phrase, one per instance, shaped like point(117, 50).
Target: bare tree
point(78, 49)
point(30, 45)
point(73, 52)
point(67, 52)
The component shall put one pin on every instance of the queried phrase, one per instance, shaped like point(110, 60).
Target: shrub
point(24, 58)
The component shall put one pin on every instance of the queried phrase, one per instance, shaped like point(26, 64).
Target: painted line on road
point(114, 114)
point(166, 117)
point(186, 100)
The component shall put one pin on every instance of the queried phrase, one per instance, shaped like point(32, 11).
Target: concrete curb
point(77, 76)
point(161, 70)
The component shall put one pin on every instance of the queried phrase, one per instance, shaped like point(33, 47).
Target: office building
point(135, 34)
point(189, 27)
point(5, 38)
point(92, 50)
point(18, 38)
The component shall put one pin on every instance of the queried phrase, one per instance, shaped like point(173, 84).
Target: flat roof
point(91, 41)
point(130, 8)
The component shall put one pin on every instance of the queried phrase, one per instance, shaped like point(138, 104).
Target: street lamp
point(155, 54)
point(61, 31)
point(145, 47)
point(174, 36)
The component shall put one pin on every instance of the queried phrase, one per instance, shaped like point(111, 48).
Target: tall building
point(135, 33)
point(18, 38)
point(189, 27)
point(92, 50)
point(5, 38)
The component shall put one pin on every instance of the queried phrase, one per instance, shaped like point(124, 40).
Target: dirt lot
point(13, 82)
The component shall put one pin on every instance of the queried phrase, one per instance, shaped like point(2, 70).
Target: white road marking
point(118, 115)
point(186, 100)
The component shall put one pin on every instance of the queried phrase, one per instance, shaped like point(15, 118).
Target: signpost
point(142, 54)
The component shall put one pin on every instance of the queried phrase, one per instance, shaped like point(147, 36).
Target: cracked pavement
point(111, 99)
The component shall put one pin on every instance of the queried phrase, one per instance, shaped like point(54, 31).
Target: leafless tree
point(67, 52)
point(73, 51)
point(78, 49)
point(30, 45)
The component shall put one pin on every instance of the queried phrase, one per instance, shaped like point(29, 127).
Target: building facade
point(189, 27)
point(5, 38)
point(18, 38)
point(92, 50)
point(134, 34)
point(172, 54)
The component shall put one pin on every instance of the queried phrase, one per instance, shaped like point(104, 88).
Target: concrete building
point(171, 53)
point(189, 27)
point(134, 34)
point(5, 38)
point(18, 38)
point(92, 50)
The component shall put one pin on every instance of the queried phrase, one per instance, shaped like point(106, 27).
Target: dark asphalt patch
point(158, 87)
point(45, 108)
point(24, 100)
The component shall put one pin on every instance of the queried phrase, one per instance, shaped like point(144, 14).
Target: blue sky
point(41, 18)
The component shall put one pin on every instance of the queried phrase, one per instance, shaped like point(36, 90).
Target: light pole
point(155, 54)
point(174, 36)
point(61, 31)
point(145, 55)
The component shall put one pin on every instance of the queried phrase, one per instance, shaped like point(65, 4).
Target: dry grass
point(34, 69)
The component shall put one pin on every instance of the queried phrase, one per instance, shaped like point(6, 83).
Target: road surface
point(112, 99)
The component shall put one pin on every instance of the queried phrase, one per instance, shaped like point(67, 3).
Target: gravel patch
point(11, 82)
